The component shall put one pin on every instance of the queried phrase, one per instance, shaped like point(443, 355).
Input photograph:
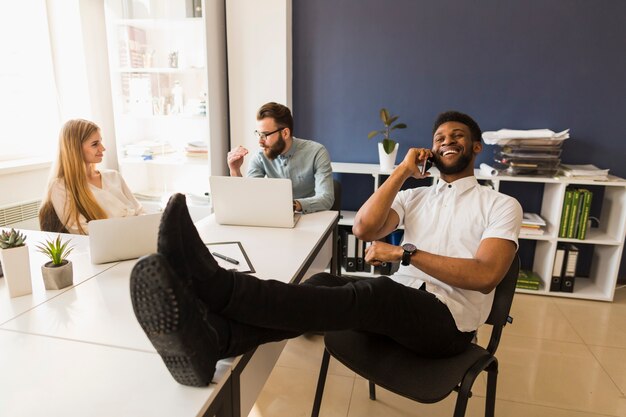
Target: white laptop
point(123, 238)
point(244, 201)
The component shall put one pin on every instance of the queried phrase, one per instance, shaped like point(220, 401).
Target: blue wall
point(553, 64)
point(528, 64)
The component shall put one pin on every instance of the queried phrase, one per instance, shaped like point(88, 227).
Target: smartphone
point(426, 165)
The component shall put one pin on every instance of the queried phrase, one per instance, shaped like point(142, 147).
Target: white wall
point(22, 185)
point(259, 63)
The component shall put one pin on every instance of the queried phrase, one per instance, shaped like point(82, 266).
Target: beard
point(464, 160)
point(272, 152)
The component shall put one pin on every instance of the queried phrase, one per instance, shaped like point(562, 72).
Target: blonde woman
point(79, 192)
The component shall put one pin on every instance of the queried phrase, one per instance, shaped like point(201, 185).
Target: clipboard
point(232, 250)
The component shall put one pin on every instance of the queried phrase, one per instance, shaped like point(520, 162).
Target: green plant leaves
point(384, 116)
point(56, 250)
point(373, 133)
point(389, 145)
point(11, 239)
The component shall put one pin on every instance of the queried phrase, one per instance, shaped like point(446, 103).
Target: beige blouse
point(114, 197)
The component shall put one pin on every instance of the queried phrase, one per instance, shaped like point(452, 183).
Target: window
point(29, 115)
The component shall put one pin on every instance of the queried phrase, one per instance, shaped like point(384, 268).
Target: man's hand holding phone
point(418, 161)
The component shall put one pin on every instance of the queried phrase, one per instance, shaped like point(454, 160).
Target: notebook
point(253, 201)
point(123, 238)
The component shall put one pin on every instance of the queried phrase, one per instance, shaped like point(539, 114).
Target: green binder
point(567, 204)
point(582, 229)
point(571, 224)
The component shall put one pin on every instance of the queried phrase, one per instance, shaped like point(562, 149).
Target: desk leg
point(222, 406)
point(335, 267)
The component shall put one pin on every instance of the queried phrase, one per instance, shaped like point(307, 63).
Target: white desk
point(287, 255)
point(80, 351)
point(83, 270)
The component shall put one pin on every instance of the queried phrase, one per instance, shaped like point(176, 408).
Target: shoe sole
point(172, 320)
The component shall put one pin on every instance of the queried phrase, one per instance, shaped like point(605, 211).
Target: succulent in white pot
point(15, 262)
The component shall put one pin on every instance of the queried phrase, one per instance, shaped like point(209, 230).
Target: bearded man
point(304, 162)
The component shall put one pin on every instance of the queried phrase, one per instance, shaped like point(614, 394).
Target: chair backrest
point(337, 192)
point(502, 301)
point(48, 219)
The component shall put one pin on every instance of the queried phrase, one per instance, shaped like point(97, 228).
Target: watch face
point(409, 247)
point(409, 250)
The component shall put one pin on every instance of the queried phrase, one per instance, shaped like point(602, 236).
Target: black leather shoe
point(182, 246)
point(173, 320)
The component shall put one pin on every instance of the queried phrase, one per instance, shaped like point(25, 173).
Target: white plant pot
point(16, 268)
point(57, 277)
point(387, 161)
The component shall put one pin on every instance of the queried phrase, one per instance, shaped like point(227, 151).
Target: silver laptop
point(123, 238)
point(253, 201)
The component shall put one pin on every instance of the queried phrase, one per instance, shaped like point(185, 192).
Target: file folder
point(557, 269)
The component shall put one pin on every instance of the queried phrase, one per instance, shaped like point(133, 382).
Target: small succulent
point(11, 239)
point(388, 143)
point(56, 250)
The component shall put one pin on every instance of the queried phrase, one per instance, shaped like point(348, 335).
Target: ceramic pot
point(57, 277)
point(16, 268)
point(387, 161)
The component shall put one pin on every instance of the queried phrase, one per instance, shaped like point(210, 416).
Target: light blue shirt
point(307, 165)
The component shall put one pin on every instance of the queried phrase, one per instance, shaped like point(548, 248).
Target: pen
point(226, 258)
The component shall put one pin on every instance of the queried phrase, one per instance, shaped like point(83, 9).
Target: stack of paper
point(526, 152)
point(197, 149)
point(528, 137)
point(588, 171)
point(532, 224)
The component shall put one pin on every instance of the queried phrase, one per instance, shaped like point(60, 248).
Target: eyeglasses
point(264, 135)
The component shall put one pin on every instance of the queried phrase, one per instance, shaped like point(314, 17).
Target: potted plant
point(15, 262)
point(388, 148)
point(57, 273)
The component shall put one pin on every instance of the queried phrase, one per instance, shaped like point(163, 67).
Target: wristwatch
point(409, 250)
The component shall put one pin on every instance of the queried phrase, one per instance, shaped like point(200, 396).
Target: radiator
point(14, 214)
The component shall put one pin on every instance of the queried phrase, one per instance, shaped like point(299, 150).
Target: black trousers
point(260, 311)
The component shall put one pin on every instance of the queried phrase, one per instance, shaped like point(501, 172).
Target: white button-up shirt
point(451, 220)
point(114, 197)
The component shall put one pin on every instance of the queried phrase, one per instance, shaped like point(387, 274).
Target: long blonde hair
point(70, 168)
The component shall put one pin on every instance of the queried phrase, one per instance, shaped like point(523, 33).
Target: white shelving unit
point(162, 76)
point(606, 240)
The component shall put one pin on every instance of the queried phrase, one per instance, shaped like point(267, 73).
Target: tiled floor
point(559, 358)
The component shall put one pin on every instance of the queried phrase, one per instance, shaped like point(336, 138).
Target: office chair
point(384, 362)
point(49, 220)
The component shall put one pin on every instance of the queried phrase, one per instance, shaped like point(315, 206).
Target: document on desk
point(231, 255)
